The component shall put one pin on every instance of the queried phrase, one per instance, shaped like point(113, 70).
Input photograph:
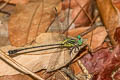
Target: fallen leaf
point(76, 68)
point(110, 17)
point(117, 35)
point(117, 75)
point(117, 4)
point(43, 74)
point(82, 19)
point(30, 20)
point(99, 34)
point(65, 4)
point(4, 33)
point(95, 64)
point(61, 76)
point(18, 1)
point(103, 63)
point(37, 61)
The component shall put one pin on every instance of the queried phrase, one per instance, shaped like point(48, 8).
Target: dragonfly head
point(79, 37)
point(80, 40)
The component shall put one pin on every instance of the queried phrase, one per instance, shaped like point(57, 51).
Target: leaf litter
point(26, 25)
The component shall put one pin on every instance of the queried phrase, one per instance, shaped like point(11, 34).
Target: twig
point(30, 24)
point(62, 73)
point(1, 7)
point(55, 18)
point(69, 73)
point(73, 20)
point(84, 11)
point(40, 19)
point(89, 30)
point(76, 59)
point(18, 66)
point(88, 76)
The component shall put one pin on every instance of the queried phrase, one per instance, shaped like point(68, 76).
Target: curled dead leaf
point(110, 16)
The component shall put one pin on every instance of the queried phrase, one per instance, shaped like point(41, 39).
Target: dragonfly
point(74, 45)
point(67, 43)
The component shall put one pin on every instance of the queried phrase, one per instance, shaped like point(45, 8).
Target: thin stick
point(84, 11)
point(74, 20)
point(68, 15)
point(62, 73)
point(88, 30)
point(55, 18)
point(69, 73)
point(51, 24)
point(91, 39)
point(32, 17)
point(1, 7)
point(40, 19)
point(17, 65)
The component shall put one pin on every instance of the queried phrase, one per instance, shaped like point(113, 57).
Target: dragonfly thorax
point(69, 42)
point(80, 40)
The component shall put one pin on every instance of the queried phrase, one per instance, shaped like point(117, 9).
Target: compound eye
point(79, 37)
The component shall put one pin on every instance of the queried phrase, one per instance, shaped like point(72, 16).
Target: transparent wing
point(55, 28)
point(62, 57)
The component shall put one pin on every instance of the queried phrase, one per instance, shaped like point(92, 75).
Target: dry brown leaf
point(103, 64)
point(82, 19)
point(117, 32)
point(38, 60)
point(48, 38)
point(43, 74)
point(3, 33)
point(110, 17)
point(117, 75)
point(30, 20)
point(76, 68)
point(15, 77)
point(61, 76)
point(98, 37)
point(117, 4)
point(18, 1)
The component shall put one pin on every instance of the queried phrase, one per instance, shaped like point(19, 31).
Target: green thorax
point(69, 42)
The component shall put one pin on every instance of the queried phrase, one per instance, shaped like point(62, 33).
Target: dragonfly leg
point(74, 50)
